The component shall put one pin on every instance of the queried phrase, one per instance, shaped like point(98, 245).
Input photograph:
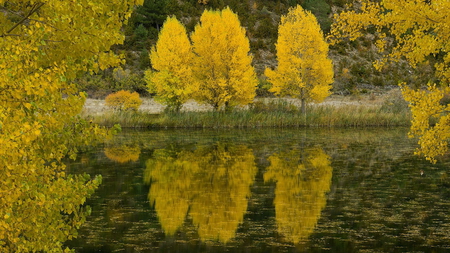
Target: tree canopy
point(44, 45)
point(171, 58)
point(304, 70)
point(222, 63)
point(418, 32)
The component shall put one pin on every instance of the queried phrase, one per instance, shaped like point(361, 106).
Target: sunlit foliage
point(222, 64)
point(431, 121)
point(302, 180)
point(304, 70)
point(417, 31)
point(123, 100)
point(172, 59)
point(43, 46)
point(210, 184)
point(123, 153)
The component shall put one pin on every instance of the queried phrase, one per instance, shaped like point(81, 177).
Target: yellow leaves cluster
point(304, 69)
point(216, 69)
point(419, 28)
point(211, 184)
point(171, 58)
point(222, 63)
point(430, 120)
point(123, 100)
point(43, 46)
point(420, 31)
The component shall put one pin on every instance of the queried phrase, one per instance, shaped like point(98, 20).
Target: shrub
point(123, 100)
point(273, 105)
point(395, 103)
point(126, 80)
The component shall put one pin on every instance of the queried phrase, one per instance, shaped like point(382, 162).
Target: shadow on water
point(265, 190)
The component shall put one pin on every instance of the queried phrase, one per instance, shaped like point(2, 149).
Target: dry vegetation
point(97, 107)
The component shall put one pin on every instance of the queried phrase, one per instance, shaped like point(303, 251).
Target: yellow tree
point(300, 194)
point(171, 57)
point(222, 64)
point(43, 46)
point(304, 70)
point(416, 31)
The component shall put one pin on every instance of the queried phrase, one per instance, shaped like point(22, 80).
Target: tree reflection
point(210, 184)
point(123, 153)
point(302, 181)
point(171, 175)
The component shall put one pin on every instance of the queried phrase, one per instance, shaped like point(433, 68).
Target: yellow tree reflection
point(211, 184)
point(123, 153)
point(222, 190)
point(302, 181)
point(170, 174)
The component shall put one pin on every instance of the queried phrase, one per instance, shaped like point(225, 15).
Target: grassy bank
point(265, 115)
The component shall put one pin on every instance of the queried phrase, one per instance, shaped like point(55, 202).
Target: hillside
point(352, 60)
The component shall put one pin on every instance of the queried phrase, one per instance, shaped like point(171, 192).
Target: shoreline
point(97, 107)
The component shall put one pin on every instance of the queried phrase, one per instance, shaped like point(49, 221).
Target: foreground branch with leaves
point(43, 46)
point(418, 32)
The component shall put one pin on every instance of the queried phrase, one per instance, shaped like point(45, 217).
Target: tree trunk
point(303, 106)
point(216, 107)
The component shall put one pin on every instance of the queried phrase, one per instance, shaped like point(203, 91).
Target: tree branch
point(34, 9)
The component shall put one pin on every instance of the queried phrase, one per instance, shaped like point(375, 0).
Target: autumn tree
point(222, 63)
point(418, 32)
point(304, 70)
point(302, 180)
point(171, 59)
point(43, 46)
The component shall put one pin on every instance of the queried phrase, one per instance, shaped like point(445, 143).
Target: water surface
point(265, 190)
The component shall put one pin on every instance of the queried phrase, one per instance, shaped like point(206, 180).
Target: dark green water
point(270, 190)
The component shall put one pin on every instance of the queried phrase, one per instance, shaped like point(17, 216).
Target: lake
point(265, 190)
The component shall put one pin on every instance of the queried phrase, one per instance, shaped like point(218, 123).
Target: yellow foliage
point(418, 30)
point(211, 184)
point(222, 63)
point(431, 121)
point(302, 181)
point(304, 70)
point(123, 100)
point(171, 58)
point(43, 46)
point(123, 153)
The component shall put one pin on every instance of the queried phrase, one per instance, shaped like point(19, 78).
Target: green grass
point(267, 115)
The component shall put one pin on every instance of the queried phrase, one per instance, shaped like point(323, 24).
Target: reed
point(268, 115)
